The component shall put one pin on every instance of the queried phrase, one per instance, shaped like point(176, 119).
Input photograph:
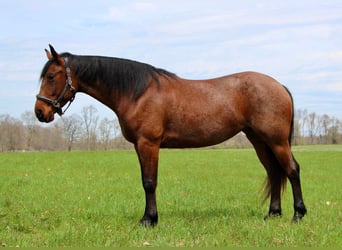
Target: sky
point(299, 43)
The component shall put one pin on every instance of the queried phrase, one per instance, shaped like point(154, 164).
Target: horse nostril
point(39, 114)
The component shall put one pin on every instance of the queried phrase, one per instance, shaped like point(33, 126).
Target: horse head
point(57, 88)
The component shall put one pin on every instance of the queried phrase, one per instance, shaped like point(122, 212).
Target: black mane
point(125, 75)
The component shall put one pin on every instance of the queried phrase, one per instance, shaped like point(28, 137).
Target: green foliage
point(205, 198)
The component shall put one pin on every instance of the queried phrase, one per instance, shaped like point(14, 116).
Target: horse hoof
point(297, 217)
point(272, 215)
point(147, 221)
point(300, 211)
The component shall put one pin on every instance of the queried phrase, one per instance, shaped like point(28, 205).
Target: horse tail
point(276, 173)
point(292, 118)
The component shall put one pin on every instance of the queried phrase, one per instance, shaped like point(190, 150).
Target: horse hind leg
point(276, 183)
point(291, 168)
point(299, 207)
point(276, 178)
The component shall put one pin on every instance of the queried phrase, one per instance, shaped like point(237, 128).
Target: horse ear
point(53, 52)
point(48, 54)
point(54, 55)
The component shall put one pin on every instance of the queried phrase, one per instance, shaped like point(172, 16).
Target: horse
point(158, 109)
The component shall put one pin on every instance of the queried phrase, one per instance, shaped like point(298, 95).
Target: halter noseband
point(68, 85)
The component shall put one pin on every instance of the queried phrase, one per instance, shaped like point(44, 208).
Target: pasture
point(205, 198)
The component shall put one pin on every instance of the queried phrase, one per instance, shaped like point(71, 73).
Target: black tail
point(275, 174)
point(292, 119)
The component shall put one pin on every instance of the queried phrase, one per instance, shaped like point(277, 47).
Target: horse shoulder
point(143, 118)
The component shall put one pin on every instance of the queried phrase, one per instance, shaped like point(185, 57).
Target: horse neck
point(86, 72)
point(113, 81)
point(96, 90)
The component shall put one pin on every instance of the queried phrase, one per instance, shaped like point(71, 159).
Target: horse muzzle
point(44, 113)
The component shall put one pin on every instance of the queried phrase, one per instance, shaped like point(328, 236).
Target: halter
point(68, 85)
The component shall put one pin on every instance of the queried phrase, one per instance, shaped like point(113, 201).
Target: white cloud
point(335, 87)
point(336, 55)
point(297, 42)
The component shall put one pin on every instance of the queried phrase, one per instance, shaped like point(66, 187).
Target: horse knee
point(149, 186)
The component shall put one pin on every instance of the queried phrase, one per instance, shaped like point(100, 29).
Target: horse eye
point(50, 77)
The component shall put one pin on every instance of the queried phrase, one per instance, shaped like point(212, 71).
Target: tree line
point(87, 132)
point(75, 132)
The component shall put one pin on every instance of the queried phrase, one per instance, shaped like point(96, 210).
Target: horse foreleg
point(148, 157)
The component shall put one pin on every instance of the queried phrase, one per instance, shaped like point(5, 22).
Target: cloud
point(297, 42)
point(335, 87)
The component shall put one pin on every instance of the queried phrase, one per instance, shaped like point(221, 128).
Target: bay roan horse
point(157, 109)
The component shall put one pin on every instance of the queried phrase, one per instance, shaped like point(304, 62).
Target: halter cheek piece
point(68, 85)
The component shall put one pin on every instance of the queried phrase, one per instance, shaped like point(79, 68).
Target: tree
point(90, 118)
point(334, 133)
point(71, 128)
point(30, 121)
point(312, 126)
point(106, 131)
point(11, 133)
point(300, 126)
point(324, 123)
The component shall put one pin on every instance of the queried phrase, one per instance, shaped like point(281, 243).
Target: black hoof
point(149, 221)
point(297, 217)
point(299, 213)
point(273, 214)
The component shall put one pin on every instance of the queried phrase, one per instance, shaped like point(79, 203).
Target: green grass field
point(205, 198)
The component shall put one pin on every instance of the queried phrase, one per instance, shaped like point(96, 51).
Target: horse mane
point(127, 76)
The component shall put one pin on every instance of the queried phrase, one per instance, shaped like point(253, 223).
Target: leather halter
point(68, 85)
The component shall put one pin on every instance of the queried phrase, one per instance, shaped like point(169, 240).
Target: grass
point(205, 198)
